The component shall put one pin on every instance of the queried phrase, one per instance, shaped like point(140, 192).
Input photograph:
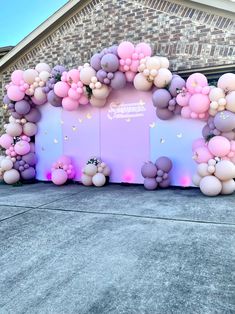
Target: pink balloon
point(200, 142)
point(73, 94)
point(196, 81)
point(130, 76)
point(202, 154)
point(17, 76)
point(125, 50)
point(186, 112)
point(65, 159)
point(69, 104)
point(145, 49)
point(83, 100)
point(61, 89)
point(199, 103)
point(6, 140)
point(73, 76)
point(219, 146)
point(182, 99)
point(134, 65)
point(22, 148)
point(14, 93)
point(59, 176)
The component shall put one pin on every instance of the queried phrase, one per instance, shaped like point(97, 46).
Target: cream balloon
point(40, 67)
point(86, 74)
point(196, 179)
point(153, 63)
point(230, 101)
point(6, 164)
point(216, 93)
point(101, 93)
point(164, 62)
point(210, 186)
point(227, 82)
point(30, 75)
point(225, 170)
point(228, 187)
point(202, 170)
point(44, 75)
point(14, 129)
point(11, 176)
point(106, 171)
point(39, 94)
point(90, 169)
point(141, 82)
point(30, 129)
point(86, 180)
point(163, 78)
point(98, 179)
point(95, 102)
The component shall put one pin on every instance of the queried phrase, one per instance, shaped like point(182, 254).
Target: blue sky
point(20, 17)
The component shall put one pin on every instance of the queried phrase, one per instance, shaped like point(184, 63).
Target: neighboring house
point(194, 35)
point(5, 50)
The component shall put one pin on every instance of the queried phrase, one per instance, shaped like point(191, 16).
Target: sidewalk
point(116, 249)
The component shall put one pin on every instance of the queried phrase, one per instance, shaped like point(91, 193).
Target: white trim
point(226, 5)
point(37, 31)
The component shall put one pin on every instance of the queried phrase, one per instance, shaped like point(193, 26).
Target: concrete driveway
point(116, 249)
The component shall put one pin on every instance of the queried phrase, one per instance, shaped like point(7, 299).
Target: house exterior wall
point(189, 37)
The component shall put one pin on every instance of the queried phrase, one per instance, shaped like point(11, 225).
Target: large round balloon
point(227, 82)
point(59, 176)
point(225, 170)
point(225, 121)
point(210, 186)
point(11, 176)
point(149, 170)
point(219, 146)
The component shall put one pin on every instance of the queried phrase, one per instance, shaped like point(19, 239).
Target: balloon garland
point(91, 84)
point(95, 172)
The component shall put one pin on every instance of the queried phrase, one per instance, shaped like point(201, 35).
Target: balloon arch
point(91, 84)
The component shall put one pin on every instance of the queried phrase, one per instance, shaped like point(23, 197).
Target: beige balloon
point(6, 164)
point(227, 82)
point(225, 170)
point(153, 63)
point(14, 129)
point(196, 179)
point(230, 99)
point(40, 67)
point(11, 176)
point(141, 82)
point(164, 62)
point(202, 170)
point(106, 171)
point(44, 75)
point(101, 93)
point(86, 180)
point(98, 179)
point(86, 74)
point(30, 129)
point(163, 78)
point(95, 102)
point(39, 94)
point(30, 75)
point(90, 169)
point(228, 187)
point(210, 186)
point(216, 93)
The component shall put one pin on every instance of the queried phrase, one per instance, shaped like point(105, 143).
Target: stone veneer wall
point(189, 37)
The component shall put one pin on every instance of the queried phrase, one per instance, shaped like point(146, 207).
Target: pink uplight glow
point(185, 181)
point(48, 175)
point(128, 176)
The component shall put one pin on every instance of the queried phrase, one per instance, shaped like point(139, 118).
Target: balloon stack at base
point(62, 170)
point(95, 172)
point(157, 175)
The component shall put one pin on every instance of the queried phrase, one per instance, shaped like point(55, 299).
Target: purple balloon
point(176, 84)
point(22, 107)
point(110, 62)
point(33, 116)
point(164, 114)
point(177, 109)
point(28, 174)
point(101, 75)
point(118, 81)
point(53, 99)
point(30, 159)
point(16, 165)
point(16, 115)
point(165, 183)
point(113, 49)
point(150, 183)
point(95, 61)
point(164, 163)
point(149, 170)
point(224, 121)
point(161, 98)
point(6, 100)
point(206, 131)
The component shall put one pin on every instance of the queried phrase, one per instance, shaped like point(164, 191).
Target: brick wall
point(190, 38)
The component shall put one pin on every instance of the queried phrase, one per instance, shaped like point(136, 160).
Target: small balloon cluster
point(215, 177)
point(157, 174)
point(95, 172)
point(62, 170)
point(164, 99)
